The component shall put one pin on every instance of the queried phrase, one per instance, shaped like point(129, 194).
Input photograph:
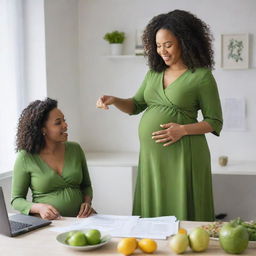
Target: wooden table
point(43, 242)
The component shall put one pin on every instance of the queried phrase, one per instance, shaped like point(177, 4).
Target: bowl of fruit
point(83, 240)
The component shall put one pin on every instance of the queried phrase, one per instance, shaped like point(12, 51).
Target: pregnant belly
point(67, 201)
point(153, 118)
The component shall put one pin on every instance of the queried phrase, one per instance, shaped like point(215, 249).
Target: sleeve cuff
point(216, 125)
point(88, 191)
point(138, 107)
point(24, 208)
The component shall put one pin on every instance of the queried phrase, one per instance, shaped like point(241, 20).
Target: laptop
point(19, 223)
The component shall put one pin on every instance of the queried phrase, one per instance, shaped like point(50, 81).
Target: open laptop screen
point(18, 223)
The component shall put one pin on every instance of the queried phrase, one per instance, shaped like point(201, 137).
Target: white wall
point(51, 56)
point(10, 79)
point(113, 130)
point(61, 33)
point(34, 53)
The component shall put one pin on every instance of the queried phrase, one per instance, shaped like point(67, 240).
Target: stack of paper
point(155, 228)
point(127, 226)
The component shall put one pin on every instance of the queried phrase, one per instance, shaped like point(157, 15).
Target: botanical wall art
point(235, 51)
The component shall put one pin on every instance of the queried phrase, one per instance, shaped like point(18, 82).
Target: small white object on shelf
point(116, 49)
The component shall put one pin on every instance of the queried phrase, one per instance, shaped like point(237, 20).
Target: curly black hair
point(29, 135)
point(192, 33)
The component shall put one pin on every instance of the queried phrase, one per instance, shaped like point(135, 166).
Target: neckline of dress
point(49, 167)
point(170, 85)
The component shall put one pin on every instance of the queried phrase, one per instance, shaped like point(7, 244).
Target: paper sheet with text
point(127, 226)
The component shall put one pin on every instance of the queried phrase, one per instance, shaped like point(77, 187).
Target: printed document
point(127, 226)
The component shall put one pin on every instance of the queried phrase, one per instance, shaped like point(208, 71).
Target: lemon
point(135, 241)
point(179, 243)
point(147, 245)
point(127, 245)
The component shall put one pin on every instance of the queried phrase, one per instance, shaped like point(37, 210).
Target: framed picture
point(139, 50)
point(235, 51)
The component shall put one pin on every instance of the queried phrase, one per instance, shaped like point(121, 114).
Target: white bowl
point(61, 238)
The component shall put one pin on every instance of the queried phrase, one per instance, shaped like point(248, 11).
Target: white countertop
point(235, 167)
point(130, 159)
point(123, 159)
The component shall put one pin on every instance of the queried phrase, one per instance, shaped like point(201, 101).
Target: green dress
point(64, 192)
point(176, 180)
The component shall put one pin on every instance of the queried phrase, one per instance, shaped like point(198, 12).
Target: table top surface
point(43, 242)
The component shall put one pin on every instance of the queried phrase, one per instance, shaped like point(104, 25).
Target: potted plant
point(116, 39)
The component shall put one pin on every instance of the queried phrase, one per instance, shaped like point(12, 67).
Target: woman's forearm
point(35, 208)
point(125, 105)
point(196, 128)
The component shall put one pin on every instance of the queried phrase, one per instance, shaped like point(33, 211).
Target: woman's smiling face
point(55, 128)
point(168, 47)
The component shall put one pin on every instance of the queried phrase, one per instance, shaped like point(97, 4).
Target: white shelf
point(124, 56)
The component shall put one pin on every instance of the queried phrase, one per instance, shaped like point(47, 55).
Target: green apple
point(71, 233)
point(93, 236)
point(179, 243)
point(199, 239)
point(233, 238)
point(77, 239)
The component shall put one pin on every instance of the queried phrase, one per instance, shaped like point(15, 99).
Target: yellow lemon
point(135, 241)
point(147, 245)
point(127, 246)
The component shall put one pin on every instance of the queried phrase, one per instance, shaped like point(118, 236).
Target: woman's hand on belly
point(85, 210)
point(46, 211)
point(170, 133)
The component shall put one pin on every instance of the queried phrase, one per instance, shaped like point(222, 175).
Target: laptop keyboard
point(15, 226)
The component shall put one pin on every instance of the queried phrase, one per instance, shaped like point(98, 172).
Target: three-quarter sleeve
point(86, 186)
point(138, 99)
point(209, 102)
point(20, 185)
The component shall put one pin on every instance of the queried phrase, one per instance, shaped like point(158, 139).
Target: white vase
point(116, 49)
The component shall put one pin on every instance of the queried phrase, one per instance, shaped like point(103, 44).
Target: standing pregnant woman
point(174, 171)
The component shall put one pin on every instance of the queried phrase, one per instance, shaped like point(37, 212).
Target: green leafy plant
point(114, 37)
point(235, 48)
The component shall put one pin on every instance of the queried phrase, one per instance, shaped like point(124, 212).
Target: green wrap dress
point(176, 180)
point(64, 192)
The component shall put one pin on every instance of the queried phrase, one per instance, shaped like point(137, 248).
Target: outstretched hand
point(104, 101)
point(171, 133)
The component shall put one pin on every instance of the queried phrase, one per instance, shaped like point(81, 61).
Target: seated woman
point(54, 169)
